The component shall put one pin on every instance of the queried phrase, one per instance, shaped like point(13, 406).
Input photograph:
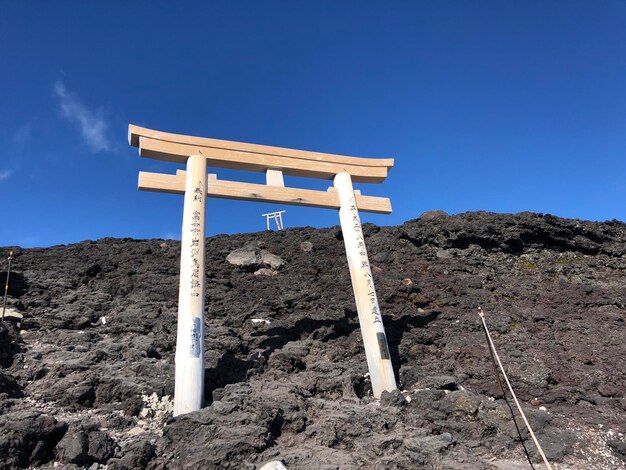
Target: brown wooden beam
point(136, 132)
point(175, 184)
point(235, 159)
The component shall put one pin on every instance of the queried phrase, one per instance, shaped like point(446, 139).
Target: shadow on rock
point(10, 343)
point(18, 285)
point(396, 328)
point(28, 438)
point(320, 329)
point(229, 370)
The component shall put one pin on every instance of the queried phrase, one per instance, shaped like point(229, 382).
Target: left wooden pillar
point(189, 381)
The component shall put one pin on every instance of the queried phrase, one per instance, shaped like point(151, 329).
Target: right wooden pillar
point(370, 318)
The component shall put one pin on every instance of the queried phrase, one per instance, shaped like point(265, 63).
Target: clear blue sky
point(498, 106)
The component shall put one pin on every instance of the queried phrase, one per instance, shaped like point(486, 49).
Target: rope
point(6, 286)
point(508, 404)
point(494, 354)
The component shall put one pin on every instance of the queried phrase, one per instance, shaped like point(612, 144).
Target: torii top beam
point(252, 157)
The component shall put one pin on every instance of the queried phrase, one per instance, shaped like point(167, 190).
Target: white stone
point(12, 313)
point(136, 431)
point(264, 272)
point(273, 465)
point(306, 246)
point(273, 261)
point(243, 257)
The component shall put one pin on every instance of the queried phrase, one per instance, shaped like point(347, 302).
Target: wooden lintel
point(259, 192)
point(136, 132)
point(249, 161)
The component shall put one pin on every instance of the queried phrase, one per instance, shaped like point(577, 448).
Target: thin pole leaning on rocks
point(492, 347)
point(6, 285)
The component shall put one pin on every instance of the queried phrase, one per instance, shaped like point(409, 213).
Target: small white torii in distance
point(198, 153)
point(278, 218)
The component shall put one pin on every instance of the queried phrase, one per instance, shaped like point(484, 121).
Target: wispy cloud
point(5, 174)
point(92, 125)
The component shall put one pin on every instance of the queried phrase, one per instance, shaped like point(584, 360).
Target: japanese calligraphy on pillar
point(196, 232)
point(374, 310)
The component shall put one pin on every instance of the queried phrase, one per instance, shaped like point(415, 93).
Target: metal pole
point(6, 286)
point(370, 318)
point(189, 381)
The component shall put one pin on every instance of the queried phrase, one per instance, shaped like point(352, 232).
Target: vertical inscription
point(198, 194)
point(365, 264)
point(198, 198)
point(195, 243)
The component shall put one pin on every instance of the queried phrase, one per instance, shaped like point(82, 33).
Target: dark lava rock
point(137, 455)
point(10, 343)
point(99, 333)
point(28, 438)
point(393, 398)
point(619, 447)
point(9, 387)
point(434, 214)
point(83, 445)
point(17, 286)
point(424, 448)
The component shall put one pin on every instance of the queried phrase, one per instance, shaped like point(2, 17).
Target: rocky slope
point(87, 374)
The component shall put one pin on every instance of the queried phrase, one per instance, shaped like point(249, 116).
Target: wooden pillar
point(370, 318)
point(189, 382)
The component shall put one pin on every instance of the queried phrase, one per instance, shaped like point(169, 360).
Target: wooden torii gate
point(198, 153)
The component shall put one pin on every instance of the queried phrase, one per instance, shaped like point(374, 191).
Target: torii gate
point(198, 153)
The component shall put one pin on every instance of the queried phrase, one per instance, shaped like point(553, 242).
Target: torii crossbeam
point(198, 153)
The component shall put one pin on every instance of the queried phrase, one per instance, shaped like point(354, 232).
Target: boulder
point(253, 259)
point(245, 258)
point(84, 445)
point(28, 438)
point(270, 259)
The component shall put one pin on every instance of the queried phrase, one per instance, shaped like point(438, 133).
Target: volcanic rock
point(84, 445)
point(87, 378)
point(28, 438)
